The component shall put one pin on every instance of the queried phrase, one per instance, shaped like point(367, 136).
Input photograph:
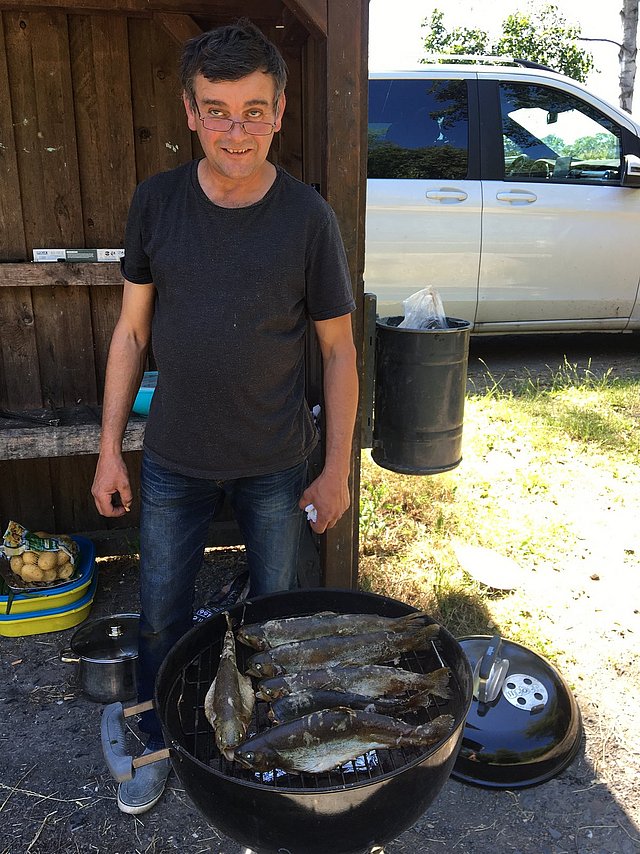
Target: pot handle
point(122, 766)
point(68, 656)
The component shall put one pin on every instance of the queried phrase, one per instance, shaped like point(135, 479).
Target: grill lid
point(523, 726)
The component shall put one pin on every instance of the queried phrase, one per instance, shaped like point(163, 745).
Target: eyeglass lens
point(224, 125)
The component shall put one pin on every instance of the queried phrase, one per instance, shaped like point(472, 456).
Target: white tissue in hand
point(312, 513)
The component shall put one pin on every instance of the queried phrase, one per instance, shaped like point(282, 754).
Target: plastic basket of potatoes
point(39, 559)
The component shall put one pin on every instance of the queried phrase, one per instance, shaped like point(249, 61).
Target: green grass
point(530, 450)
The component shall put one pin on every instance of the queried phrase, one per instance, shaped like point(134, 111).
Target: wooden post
point(347, 87)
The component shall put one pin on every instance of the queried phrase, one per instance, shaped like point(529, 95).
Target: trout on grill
point(367, 648)
point(229, 702)
point(273, 633)
point(374, 680)
point(324, 740)
point(304, 702)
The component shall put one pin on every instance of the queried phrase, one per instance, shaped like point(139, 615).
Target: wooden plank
point(99, 49)
point(62, 318)
point(39, 70)
point(43, 115)
point(289, 140)
point(162, 137)
point(179, 27)
point(253, 9)
point(20, 375)
point(347, 75)
point(313, 14)
point(22, 441)
point(26, 495)
point(60, 274)
point(12, 246)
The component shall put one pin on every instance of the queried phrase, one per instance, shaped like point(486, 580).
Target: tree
point(542, 35)
point(628, 51)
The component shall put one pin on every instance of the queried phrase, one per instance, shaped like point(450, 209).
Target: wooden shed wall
point(92, 107)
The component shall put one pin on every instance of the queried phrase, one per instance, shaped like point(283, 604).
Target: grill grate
point(198, 739)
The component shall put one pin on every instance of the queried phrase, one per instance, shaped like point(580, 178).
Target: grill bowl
point(345, 812)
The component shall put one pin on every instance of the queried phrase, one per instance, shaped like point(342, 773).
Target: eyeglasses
point(224, 125)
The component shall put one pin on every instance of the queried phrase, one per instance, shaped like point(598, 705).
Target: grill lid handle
point(490, 672)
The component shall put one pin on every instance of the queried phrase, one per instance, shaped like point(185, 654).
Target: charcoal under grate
point(198, 738)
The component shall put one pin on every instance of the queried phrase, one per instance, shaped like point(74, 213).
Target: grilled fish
point(374, 680)
point(324, 740)
point(273, 633)
point(229, 702)
point(367, 648)
point(304, 702)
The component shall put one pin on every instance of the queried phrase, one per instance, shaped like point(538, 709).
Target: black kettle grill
point(353, 809)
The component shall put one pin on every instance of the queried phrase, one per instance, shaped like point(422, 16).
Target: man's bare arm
point(329, 493)
point(125, 365)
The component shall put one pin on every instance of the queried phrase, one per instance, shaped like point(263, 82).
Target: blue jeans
point(175, 516)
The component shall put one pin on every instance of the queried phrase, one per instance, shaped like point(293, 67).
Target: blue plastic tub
point(143, 398)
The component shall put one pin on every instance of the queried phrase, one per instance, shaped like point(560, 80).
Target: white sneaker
point(145, 788)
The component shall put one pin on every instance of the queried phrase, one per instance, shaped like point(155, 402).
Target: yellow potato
point(62, 557)
point(30, 557)
point(16, 563)
point(42, 534)
point(66, 570)
point(30, 572)
point(48, 560)
point(49, 575)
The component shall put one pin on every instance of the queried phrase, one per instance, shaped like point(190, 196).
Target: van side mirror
point(630, 171)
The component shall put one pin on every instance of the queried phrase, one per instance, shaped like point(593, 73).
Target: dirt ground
point(56, 796)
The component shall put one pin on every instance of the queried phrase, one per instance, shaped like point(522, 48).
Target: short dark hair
point(230, 53)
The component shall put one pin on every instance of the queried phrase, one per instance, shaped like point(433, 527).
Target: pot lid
point(108, 638)
point(524, 724)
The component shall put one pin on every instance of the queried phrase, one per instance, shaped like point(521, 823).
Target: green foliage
point(459, 41)
point(542, 35)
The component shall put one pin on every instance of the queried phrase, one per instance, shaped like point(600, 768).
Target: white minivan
point(511, 190)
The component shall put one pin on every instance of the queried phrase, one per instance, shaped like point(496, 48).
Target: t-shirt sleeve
point(135, 266)
point(328, 285)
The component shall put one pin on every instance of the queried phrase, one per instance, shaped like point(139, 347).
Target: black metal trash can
point(420, 386)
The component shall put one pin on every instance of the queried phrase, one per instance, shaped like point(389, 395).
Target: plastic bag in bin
point(424, 310)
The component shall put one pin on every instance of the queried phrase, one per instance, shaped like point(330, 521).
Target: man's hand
point(329, 494)
point(111, 489)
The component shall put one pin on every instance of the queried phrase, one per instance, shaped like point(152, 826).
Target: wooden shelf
point(78, 432)
point(62, 274)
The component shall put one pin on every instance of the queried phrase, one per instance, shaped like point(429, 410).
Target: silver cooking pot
point(106, 652)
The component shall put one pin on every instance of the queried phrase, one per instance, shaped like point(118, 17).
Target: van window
point(418, 129)
point(550, 135)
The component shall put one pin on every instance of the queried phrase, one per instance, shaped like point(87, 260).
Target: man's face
point(235, 154)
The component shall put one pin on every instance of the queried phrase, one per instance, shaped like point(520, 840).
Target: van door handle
point(517, 197)
point(446, 195)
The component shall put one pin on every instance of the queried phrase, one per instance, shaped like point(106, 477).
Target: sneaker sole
point(137, 809)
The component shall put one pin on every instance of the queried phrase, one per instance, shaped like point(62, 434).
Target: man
point(225, 260)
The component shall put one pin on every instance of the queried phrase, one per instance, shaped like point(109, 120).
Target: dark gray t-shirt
point(234, 289)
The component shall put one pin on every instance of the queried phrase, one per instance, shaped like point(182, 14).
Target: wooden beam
point(251, 8)
point(312, 13)
point(59, 274)
point(179, 27)
point(73, 436)
point(347, 86)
